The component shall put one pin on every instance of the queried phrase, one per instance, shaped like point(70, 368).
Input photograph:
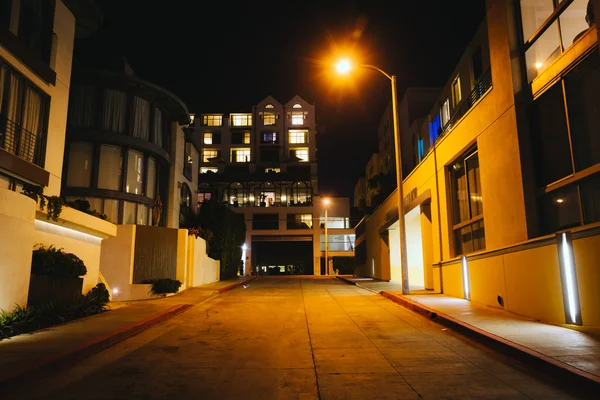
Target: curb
point(349, 282)
point(583, 380)
point(78, 353)
point(234, 285)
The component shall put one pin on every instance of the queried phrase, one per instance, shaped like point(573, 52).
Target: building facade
point(126, 151)
point(502, 209)
point(36, 50)
point(263, 163)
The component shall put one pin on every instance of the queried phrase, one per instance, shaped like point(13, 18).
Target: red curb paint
point(548, 364)
point(78, 353)
point(234, 285)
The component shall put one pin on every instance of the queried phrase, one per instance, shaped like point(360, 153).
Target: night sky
point(223, 56)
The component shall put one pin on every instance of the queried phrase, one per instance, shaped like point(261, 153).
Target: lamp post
point(343, 67)
point(326, 203)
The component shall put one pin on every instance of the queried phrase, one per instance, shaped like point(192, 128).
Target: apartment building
point(263, 163)
point(502, 208)
point(36, 50)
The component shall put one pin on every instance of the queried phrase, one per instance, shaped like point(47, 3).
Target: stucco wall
point(116, 262)
point(204, 269)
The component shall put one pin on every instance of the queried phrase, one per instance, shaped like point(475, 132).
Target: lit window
point(269, 118)
point(208, 138)
point(209, 155)
point(212, 120)
point(445, 112)
point(269, 106)
point(246, 137)
point(240, 155)
point(269, 137)
point(241, 119)
point(204, 170)
point(298, 136)
point(272, 170)
point(297, 118)
point(299, 221)
point(296, 106)
point(301, 154)
point(456, 95)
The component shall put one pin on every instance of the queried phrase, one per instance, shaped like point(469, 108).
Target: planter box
point(45, 289)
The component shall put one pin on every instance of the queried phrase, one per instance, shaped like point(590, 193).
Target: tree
point(385, 185)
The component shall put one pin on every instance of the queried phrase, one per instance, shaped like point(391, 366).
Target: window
point(185, 202)
point(445, 112)
point(23, 117)
point(557, 34)
point(141, 118)
point(208, 138)
point(299, 194)
point(82, 106)
point(299, 221)
point(477, 63)
point(240, 155)
point(269, 118)
point(210, 155)
point(205, 170)
point(297, 106)
point(135, 169)
point(269, 138)
point(567, 148)
point(142, 214)
point(297, 118)
point(36, 19)
point(272, 170)
point(301, 154)
point(79, 172)
point(467, 205)
point(111, 210)
point(246, 137)
point(297, 136)
point(109, 170)
point(240, 137)
point(212, 120)
point(115, 111)
point(456, 94)
point(188, 160)
point(265, 221)
point(269, 106)
point(159, 128)
point(151, 178)
point(241, 119)
point(129, 211)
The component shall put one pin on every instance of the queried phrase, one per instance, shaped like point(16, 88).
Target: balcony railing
point(481, 88)
point(17, 140)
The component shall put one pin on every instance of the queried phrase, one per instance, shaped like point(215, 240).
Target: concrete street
point(297, 338)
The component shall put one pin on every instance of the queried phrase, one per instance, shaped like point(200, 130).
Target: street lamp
point(343, 67)
point(326, 203)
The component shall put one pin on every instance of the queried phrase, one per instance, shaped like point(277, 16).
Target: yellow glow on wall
point(47, 227)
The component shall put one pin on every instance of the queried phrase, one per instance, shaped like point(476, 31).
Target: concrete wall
point(204, 269)
point(116, 262)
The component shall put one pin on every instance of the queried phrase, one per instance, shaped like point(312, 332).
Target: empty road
point(296, 338)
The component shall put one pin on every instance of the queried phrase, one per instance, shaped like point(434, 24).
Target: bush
point(164, 286)
point(55, 262)
point(23, 320)
point(84, 206)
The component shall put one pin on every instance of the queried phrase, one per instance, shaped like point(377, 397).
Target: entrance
point(282, 257)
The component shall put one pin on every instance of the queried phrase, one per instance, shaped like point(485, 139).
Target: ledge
point(77, 221)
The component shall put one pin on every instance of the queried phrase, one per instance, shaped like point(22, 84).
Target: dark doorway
point(283, 258)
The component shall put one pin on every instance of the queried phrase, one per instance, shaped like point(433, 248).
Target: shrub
point(164, 286)
point(23, 320)
point(84, 206)
point(55, 262)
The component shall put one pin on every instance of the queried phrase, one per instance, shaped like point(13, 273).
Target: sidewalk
point(556, 349)
point(20, 354)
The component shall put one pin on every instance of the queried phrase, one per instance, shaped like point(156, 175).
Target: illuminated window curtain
point(462, 201)
point(82, 107)
point(158, 127)
point(129, 212)
point(135, 168)
point(475, 196)
point(141, 118)
point(79, 168)
point(111, 210)
point(142, 214)
point(31, 124)
point(115, 111)
point(111, 167)
point(11, 100)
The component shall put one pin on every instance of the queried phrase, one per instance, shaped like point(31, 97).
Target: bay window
point(110, 167)
point(135, 168)
point(80, 164)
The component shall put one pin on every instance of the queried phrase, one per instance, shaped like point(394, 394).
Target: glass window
point(246, 137)
point(135, 170)
point(208, 154)
point(561, 209)
point(159, 127)
point(129, 216)
point(298, 136)
point(533, 15)
point(241, 119)
point(445, 112)
point(185, 201)
point(299, 221)
point(269, 138)
point(543, 52)
point(269, 106)
point(456, 94)
point(141, 118)
point(269, 118)
point(79, 172)
point(467, 203)
point(297, 106)
point(142, 214)
point(297, 118)
point(110, 168)
point(301, 154)
point(573, 22)
point(111, 210)
point(151, 178)
point(240, 155)
point(188, 160)
point(208, 138)
point(82, 106)
point(115, 111)
point(212, 120)
point(590, 196)
point(205, 170)
point(550, 137)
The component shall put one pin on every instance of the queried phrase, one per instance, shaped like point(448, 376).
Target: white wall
point(205, 269)
point(116, 262)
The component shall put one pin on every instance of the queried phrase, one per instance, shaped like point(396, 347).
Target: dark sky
point(223, 56)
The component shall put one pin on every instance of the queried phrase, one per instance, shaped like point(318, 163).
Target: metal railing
point(25, 144)
point(481, 88)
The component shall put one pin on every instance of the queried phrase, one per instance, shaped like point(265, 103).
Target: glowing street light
point(343, 67)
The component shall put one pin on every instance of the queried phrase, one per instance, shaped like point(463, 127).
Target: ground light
point(465, 276)
point(569, 280)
